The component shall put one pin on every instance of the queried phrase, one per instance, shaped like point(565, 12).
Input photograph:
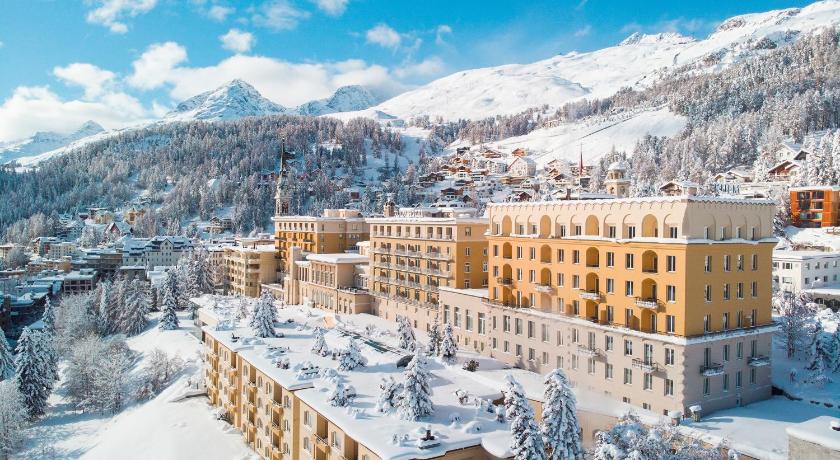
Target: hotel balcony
point(585, 350)
point(590, 295)
point(758, 361)
point(544, 288)
point(646, 365)
point(646, 303)
point(504, 281)
point(711, 369)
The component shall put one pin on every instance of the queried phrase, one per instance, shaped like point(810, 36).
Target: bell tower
point(282, 196)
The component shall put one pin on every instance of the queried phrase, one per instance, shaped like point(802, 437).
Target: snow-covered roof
point(620, 165)
point(360, 420)
point(338, 258)
point(801, 255)
point(818, 430)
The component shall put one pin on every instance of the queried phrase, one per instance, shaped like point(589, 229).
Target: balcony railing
point(586, 350)
point(711, 369)
point(590, 295)
point(646, 365)
point(504, 281)
point(544, 288)
point(646, 303)
point(758, 361)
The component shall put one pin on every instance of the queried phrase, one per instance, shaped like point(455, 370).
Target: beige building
point(247, 268)
point(416, 251)
point(334, 282)
point(663, 302)
point(336, 231)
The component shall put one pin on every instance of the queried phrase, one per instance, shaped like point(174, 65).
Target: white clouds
point(219, 12)
point(237, 41)
point(440, 33)
point(109, 13)
point(278, 15)
point(284, 82)
point(430, 66)
point(383, 35)
point(151, 70)
point(36, 108)
point(332, 7)
point(583, 31)
point(90, 77)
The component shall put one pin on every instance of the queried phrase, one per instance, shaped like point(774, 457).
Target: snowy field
point(155, 429)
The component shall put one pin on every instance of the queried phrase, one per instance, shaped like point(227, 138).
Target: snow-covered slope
point(45, 141)
point(593, 138)
point(345, 99)
point(235, 99)
point(636, 62)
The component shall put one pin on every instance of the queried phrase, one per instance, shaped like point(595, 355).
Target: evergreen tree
point(834, 364)
point(526, 442)
point(319, 345)
point(48, 317)
point(449, 346)
point(434, 338)
point(134, 315)
point(169, 317)
point(560, 427)
point(406, 334)
point(13, 417)
point(351, 356)
point(338, 396)
point(32, 372)
point(264, 316)
point(7, 361)
point(416, 397)
point(389, 394)
point(819, 356)
point(105, 315)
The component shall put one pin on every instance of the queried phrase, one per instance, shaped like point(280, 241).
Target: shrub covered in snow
point(351, 356)
point(389, 394)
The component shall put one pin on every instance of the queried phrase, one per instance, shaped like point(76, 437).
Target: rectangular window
point(611, 231)
point(532, 253)
point(707, 388)
point(671, 293)
point(707, 293)
point(669, 387)
point(608, 343)
point(738, 379)
point(707, 323)
point(752, 376)
point(518, 326)
point(628, 376)
point(575, 282)
point(531, 329)
point(532, 354)
point(544, 332)
point(608, 371)
point(726, 291)
point(628, 348)
point(610, 259)
point(725, 382)
point(561, 280)
point(671, 263)
point(506, 323)
point(628, 261)
point(575, 256)
point(631, 231)
point(518, 350)
point(610, 286)
point(725, 325)
point(673, 232)
point(648, 381)
point(755, 262)
point(739, 350)
point(628, 288)
point(669, 356)
point(727, 266)
point(590, 365)
point(670, 324)
point(561, 255)
point(726, 352)
point(707, 264)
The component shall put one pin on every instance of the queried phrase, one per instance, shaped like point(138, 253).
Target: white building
point(797, 270)
point(157, 251)
point(522, 167)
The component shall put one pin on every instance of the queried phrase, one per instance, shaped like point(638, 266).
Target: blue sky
point(123, 61)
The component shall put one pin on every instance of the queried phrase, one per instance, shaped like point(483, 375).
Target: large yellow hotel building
point(662, 302)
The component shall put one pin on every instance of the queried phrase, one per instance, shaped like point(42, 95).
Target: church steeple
point(282, 196)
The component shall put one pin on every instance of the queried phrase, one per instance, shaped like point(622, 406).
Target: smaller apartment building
point(815, 206)
point(794, 271)
point(415, 252)
point(334, 282)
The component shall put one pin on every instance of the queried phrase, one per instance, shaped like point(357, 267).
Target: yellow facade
point(337, 231)
point(246, 269)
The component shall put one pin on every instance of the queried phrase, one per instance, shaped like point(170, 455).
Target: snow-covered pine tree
point(526, 442)
point(13, 417)
point(389, 394)
point(134, 315)
point(834, 365)
point(434, 338)
point(319, 345)
point(111, 382)
point(560, 428)
point(169, 317)
point(32, 372)
point(264, 316)
point(819, 356)
point(48, 317)
point(338, 396)
point(448, 346)
point(796, 310)
point(7, 361)
point(351, 356)
point(406, 334)
point(416, 397)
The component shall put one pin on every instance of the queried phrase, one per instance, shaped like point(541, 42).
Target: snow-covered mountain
point(235, 99)
point(44, 141)
point(636, 62)
point(345, 99)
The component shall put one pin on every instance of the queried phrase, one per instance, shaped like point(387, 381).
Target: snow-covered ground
point(813, 236)
point(156, 429)
point(593, 137)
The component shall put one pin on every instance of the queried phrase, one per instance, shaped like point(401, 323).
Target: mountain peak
point(638, 38)
point(345, 99)
point(235, 99)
